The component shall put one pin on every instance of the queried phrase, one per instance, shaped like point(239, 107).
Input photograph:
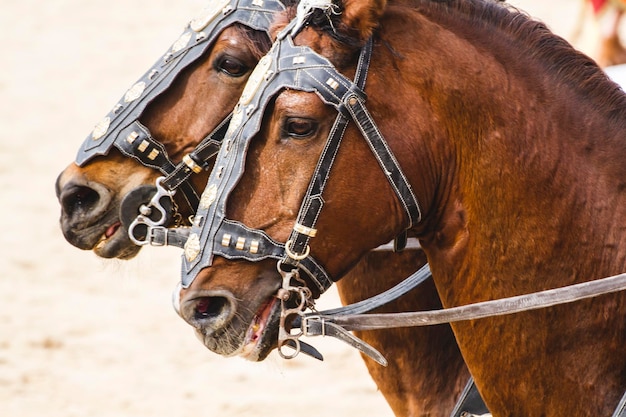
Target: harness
point(287, 66)
point(122, 129)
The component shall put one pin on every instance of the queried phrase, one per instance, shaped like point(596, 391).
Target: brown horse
point(425, 380)
point(511, 142)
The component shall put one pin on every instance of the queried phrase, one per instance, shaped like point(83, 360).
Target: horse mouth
point(114, 243)
point(261, 336)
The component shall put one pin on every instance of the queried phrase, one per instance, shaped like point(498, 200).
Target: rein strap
point(517, 304)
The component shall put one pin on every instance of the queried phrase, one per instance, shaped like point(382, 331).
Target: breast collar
point(121, 127)
point(286, 66)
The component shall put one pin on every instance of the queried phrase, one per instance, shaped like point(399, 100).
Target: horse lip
point(259, 342)
point(114, 242)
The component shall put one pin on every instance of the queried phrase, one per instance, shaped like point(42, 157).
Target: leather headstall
point(121, 127)
point(286, 66)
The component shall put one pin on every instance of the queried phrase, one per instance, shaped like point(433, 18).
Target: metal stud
point(134, 92)
point(332, 83)
point(226, 240)
point(143, 146)
point(300, 59)
point(101, 128)
point(153, 154)
point(241, 241)
point(132, 136)
point(254, 246)
point(192, 247)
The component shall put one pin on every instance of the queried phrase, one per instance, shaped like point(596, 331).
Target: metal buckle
point(286, 335)
point(146, 210)
point(152, 238)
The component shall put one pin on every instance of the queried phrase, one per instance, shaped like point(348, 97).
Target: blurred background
point(81, 336)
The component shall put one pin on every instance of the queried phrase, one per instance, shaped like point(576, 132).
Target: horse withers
point(484, 134)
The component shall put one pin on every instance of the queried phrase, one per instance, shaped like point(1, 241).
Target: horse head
point(233, 303)
point(179, 102)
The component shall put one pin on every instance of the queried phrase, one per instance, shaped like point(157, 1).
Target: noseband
point(122, 129)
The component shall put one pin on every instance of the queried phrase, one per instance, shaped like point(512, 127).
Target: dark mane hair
point(500, 24)
point(258, 41)
point(504, 28)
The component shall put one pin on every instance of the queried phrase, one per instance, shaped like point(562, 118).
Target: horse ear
point(362, 16)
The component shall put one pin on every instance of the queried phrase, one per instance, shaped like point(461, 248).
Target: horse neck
point(509, 160)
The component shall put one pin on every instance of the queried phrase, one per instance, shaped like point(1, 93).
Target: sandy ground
point(80, 336)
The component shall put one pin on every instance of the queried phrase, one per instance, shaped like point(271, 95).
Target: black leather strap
point(200, 156)
point(470, 402)
point(139, 144)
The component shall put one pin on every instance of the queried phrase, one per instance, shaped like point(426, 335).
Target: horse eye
point(231, 67)
point(298, 128)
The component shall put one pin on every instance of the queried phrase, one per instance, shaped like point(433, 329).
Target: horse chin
point(115, 243)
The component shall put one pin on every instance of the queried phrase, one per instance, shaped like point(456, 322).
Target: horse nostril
point(79, 198)
point(210, 308)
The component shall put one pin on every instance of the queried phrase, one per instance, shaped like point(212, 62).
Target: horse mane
point(502, 24)
point(499, 25)
point(257, 41)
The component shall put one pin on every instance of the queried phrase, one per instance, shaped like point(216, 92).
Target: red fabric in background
point(597, 5)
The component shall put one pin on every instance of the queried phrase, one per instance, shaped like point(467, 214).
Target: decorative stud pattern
point(132, 136)
point(101, 128)
point(143, 146)
point(153, 154)
point(135, 92)
point(332, 83)
point(208, 196)
point(192, 247)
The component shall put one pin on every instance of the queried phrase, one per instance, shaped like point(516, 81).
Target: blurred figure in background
point(608, 14)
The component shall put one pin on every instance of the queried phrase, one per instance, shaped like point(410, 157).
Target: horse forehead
point(338, 54)
point(230, 37)
point(301, 103)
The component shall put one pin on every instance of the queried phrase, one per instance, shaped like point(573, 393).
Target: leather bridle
point(297, 68)
point(122, 129)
